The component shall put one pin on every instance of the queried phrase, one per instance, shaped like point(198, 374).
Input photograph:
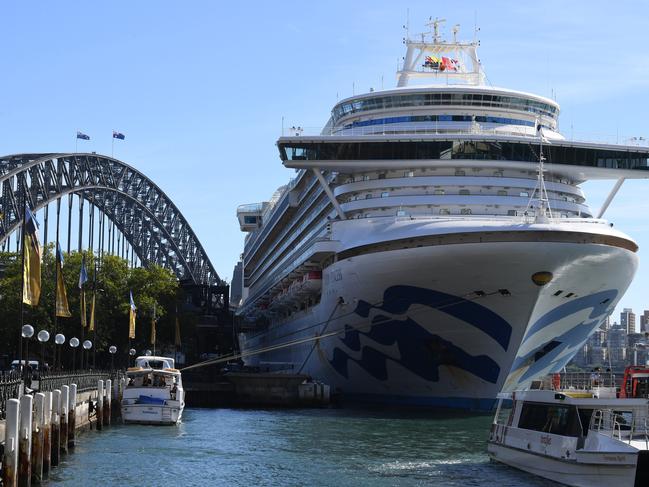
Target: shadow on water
point(328, 447)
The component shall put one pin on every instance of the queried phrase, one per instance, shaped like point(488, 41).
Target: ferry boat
point(448, 246)
point(154, 392)
point(584, 436)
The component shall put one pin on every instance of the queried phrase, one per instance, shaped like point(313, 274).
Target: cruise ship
point(434, 246)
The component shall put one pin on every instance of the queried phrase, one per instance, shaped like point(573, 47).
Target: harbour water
point(292, 448)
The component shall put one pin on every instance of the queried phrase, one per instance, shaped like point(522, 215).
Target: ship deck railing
point(407, 129)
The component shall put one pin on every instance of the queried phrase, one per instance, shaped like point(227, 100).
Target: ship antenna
point(543, 209)
point(543, 202)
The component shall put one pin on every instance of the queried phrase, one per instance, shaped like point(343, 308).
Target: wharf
point(34, 443)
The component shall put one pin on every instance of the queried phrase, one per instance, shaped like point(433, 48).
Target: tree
point(110, 280)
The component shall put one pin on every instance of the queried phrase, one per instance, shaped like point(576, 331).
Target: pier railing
point(85, 381)
point(10, 385)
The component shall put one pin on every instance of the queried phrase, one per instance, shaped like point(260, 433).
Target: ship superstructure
point(435, 245)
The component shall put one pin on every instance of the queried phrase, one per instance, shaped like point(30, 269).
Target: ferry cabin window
point(248, 220)
point(556, 419)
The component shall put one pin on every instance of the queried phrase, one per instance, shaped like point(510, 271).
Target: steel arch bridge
point(146, 217)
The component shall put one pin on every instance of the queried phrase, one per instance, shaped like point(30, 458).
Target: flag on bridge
point(83, 277)
point(131, 317)
point(82, 136)
point(118, 135)
point(62, 307)
point(31, 260)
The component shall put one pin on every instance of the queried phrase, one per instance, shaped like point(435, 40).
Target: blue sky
point(200, 88)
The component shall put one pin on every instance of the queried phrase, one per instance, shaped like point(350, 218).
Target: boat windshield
point(151, 380)
point(558, 419)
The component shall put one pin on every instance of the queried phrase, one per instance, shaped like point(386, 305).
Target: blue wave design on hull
point(547, 352)
point(421, 352)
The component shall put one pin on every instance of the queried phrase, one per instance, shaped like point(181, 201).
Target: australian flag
point(81, 135)
point(118, 135)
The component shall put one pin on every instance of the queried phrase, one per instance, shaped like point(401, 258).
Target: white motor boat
point(587, 436)
point(154, 392)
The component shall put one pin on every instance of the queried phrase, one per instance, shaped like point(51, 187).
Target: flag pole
point(112, 145)
point(56, 267)
point(76, 143)
point(22, 279)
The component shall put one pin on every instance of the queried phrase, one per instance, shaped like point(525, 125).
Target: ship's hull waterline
point(449, 325)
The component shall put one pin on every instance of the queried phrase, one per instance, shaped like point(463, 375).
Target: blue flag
point(83, 275)
point(118, 135)
point(81, 135)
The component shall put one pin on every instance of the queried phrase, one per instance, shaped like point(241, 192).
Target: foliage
point(110, 279)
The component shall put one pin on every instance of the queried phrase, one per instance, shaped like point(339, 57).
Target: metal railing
point(85, 381)
point(615, 425)
point(10, 386)
point(465, 129)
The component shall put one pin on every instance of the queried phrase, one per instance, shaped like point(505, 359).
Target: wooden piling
point(117, 408)
point(37, 438)
point(10, 457)
point(47, 432)
point(107, 401)
point(56, 428)
point(72, 416)
point(25, 442)
point(100, 404)
point(63, 428)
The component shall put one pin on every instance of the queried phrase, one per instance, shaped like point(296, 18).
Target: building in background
point(627, 319)
point(617, 344)
point(644, 321)
point(637, 349)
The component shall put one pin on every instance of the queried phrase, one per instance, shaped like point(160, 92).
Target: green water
point(292, 448)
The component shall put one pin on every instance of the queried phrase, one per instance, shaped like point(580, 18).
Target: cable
point(299, 341)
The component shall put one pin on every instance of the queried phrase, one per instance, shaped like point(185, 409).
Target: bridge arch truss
point(147, 218)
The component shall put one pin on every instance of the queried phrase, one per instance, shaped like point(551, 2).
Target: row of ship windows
point(458, 172)
point(463, 211)
point(478, 150)
point(428, 99)
point(461, 192)
point(442, 118)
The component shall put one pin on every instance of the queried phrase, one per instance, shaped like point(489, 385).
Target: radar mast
point(439, 61)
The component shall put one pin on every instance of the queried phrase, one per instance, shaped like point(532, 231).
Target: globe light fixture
point(74, 342)
point(28, 331)
point(87, 344)
point(43, 336)
point(59, 339)
point(112, 349)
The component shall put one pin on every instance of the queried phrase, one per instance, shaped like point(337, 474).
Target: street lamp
point(43, 336)
point(147, 353)
point(74, 343)
point(59, 339)
point(87, 345)
point(27, 332)
point(112, 350)
point(131, 352)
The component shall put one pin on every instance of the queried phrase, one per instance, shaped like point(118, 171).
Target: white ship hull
point(600, 473)
point(449, 325)
point(152, 414)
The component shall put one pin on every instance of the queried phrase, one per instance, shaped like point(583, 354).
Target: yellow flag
point(177, 341)
point(92, 314)
point(131, 317)
point(62, 307)
point(82, 311)
point(31, 261)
